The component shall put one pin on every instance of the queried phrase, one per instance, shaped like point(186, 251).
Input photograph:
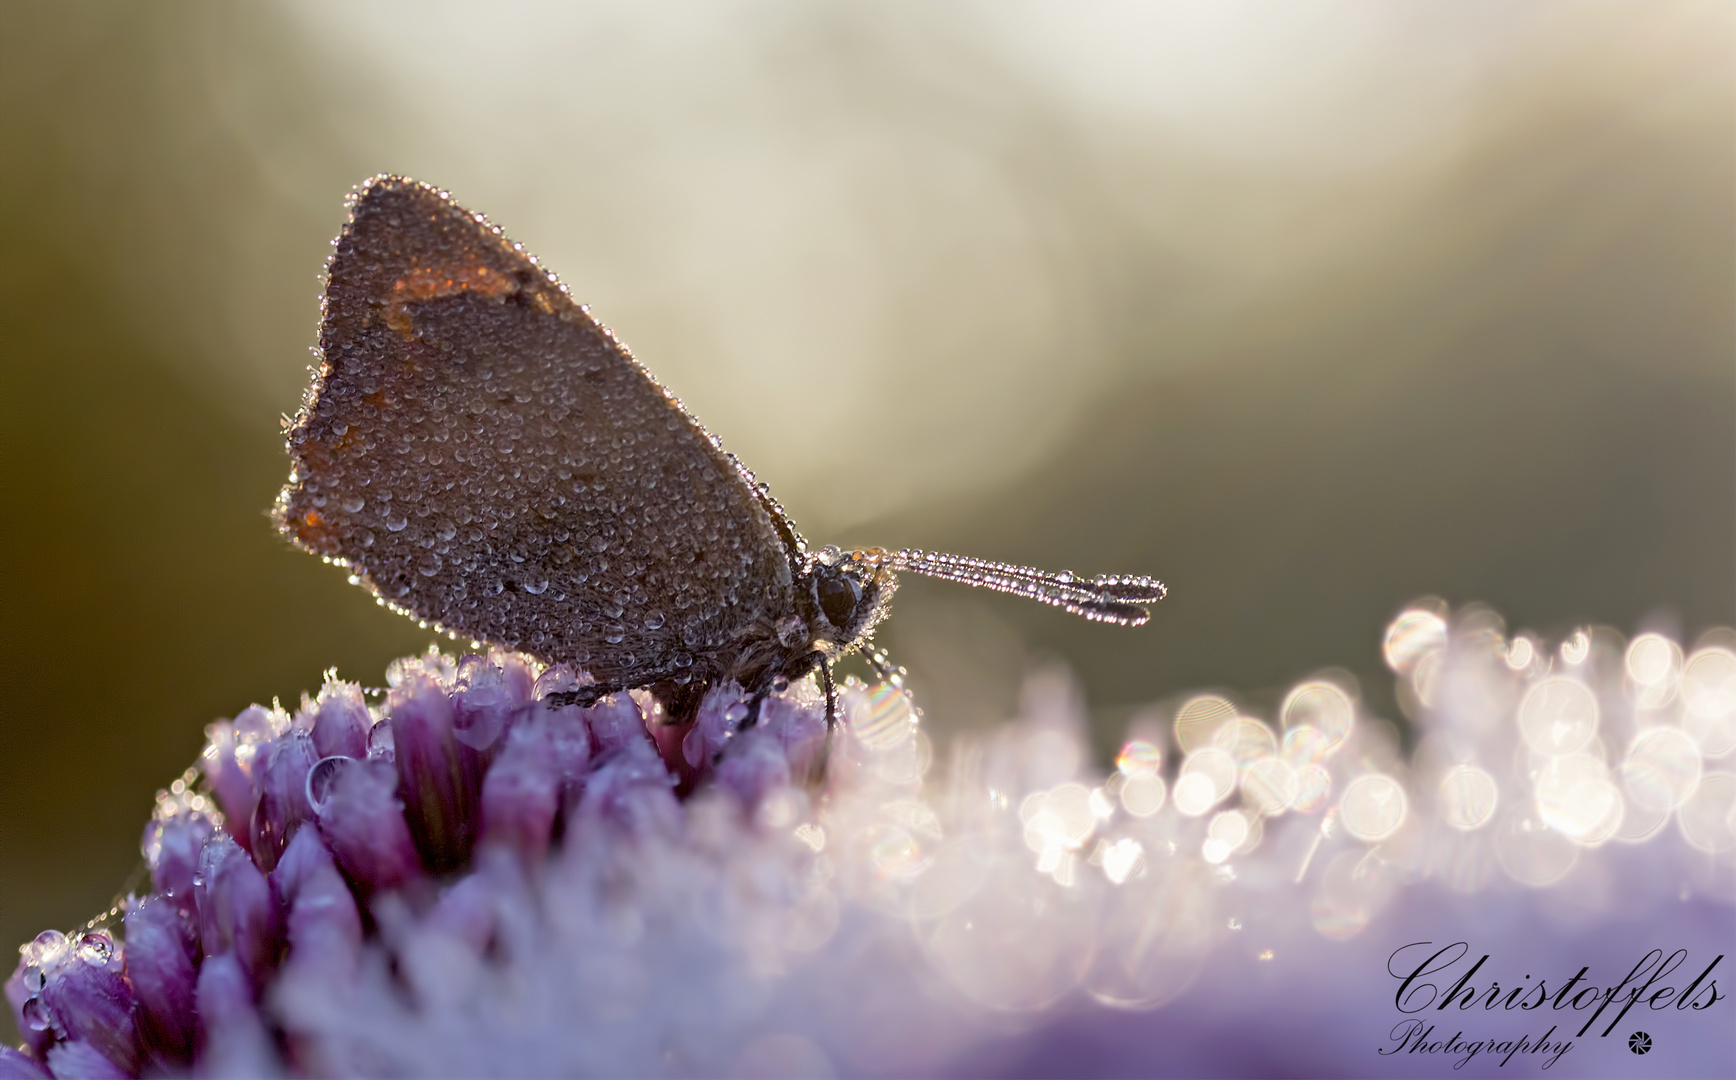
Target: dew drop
point(322, 776)
point(381, 746)
point(95, 948)
point(35, 1014)
point(47, 944)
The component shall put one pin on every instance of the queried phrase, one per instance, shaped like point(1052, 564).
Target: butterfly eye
point(837, 595)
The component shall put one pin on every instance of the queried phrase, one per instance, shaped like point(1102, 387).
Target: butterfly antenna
point(1122, 600)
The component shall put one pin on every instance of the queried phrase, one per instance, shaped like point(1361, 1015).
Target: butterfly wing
point(487, 457)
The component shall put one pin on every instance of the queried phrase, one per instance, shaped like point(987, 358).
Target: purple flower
point(483, 883)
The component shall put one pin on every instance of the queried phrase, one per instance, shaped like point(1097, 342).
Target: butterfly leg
point(831, 695)
point(753, 707)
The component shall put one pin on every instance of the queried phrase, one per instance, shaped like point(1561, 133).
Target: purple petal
point(362, 822)
point(467, 912)
point(721, 711)
point(324, 926)
point(22, 990)
point(172, 842)
point(79, 1060)
point(570, 738)
point(237, 914)
point(491, 693)
point(159, 964)
point(521, 793)
point(282, 806)
point(15, 1064)
point(228, 764)
point(233, 1041)
point(616, 721)
point(800, 729)
point(91, 1000)
point(753, 765)
point(631, 790)
point(569, 747)
point(340, 720)
point(440, 777)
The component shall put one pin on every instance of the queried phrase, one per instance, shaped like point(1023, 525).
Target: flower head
point(470, 878)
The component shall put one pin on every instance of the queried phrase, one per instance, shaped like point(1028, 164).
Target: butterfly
point(486, 457)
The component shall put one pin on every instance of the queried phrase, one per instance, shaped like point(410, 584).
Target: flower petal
point(492, 692)
point(363, 823)
point(440, 778)
point(233, 1041)
point(323, 925)
point(15, 1064)
point(282, 806)
point(237, 914)
point(91, 1001)
point(521, 793)
point(159, 964)
point(79, 1060)
point(340, 721)
point(172, 842)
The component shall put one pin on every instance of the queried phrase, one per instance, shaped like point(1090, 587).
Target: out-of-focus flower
point(468, 879)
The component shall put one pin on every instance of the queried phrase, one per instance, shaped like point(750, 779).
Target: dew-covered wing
point(489, 458)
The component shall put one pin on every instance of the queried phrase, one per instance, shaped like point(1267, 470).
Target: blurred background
point(1308, 309)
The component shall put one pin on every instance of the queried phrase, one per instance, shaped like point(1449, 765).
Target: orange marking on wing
point(432, 283)
point(316, 534)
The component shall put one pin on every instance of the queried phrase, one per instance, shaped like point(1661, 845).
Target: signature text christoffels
point(1433, 979)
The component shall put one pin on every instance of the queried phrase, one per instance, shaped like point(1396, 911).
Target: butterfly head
point(843, 595)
